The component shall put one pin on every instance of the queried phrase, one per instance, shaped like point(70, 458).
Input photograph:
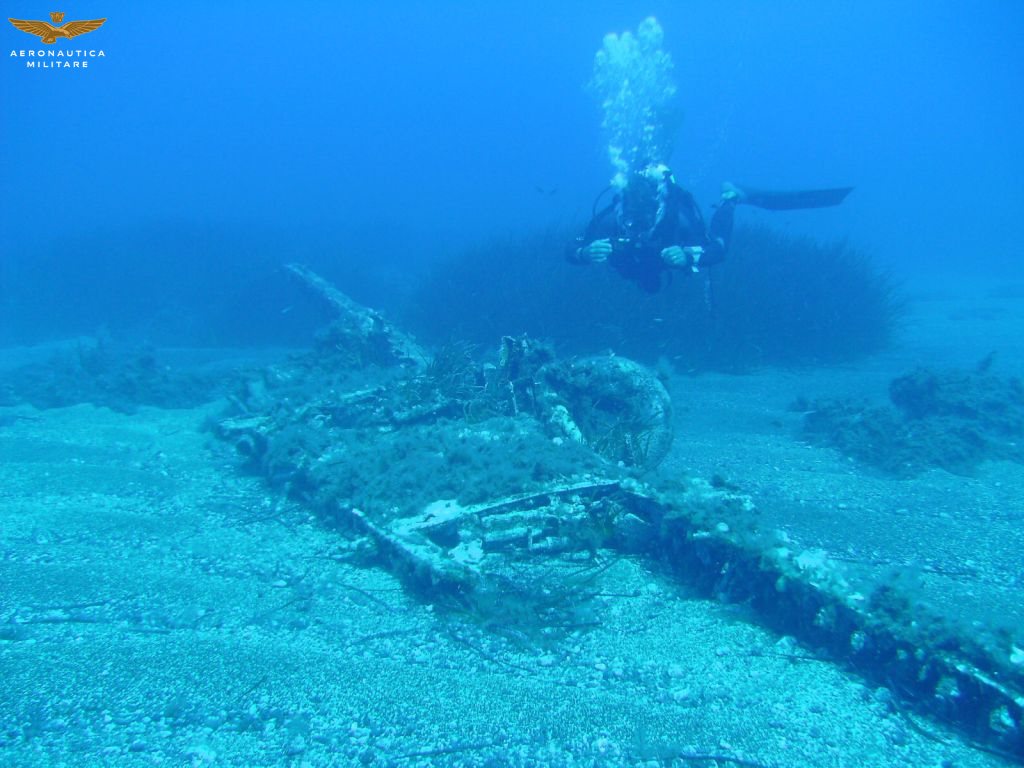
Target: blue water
point(214, 141)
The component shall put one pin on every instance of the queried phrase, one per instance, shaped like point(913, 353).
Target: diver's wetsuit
point(638, 238)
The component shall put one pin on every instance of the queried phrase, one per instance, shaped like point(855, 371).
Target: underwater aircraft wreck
point(500, 489)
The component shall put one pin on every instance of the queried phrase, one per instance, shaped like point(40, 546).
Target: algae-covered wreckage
point(495, 489)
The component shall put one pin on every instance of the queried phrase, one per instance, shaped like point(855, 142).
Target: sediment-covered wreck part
point(619, 407)
point(501, 488)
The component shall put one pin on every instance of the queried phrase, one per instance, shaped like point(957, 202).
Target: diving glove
point(680, 256)
point(595, 252)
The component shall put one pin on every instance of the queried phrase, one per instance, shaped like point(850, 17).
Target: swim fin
point(792, 201)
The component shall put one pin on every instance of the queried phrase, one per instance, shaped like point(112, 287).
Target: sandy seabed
point(158, 607)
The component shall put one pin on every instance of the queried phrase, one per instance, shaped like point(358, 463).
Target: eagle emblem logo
point(49, 33)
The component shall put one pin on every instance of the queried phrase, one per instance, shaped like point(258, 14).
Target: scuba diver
point(653, 226)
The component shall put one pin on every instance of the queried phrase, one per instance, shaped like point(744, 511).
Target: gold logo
point(50, 33)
